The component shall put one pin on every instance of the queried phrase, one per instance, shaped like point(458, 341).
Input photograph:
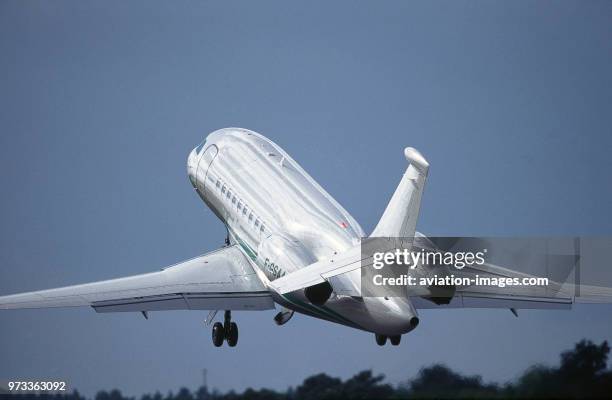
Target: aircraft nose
point(192, 165)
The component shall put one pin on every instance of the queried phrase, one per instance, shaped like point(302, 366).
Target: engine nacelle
point(319, 294)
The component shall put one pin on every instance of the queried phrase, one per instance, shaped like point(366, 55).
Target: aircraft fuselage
point(282, 220)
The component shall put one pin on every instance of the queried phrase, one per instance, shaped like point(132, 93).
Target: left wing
point(220, 280)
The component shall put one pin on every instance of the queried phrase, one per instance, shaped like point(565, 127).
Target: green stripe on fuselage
point(320, 311)
point(247, 249)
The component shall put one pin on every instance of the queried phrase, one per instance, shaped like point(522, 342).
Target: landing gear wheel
point(395, 340)
point(232, 336)
point(380, 339)
point(218, 334)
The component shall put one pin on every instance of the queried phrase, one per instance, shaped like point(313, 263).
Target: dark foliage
point(582, 373)
point(439, 381)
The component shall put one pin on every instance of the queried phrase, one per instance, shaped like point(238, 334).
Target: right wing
point(220, 280)
point(553, 296)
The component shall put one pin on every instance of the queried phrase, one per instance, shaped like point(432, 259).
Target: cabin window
point(245, 210)
point(218, 183)
point(223, 189)
point(234, 200)
point(262, 228)
point(229, 194)
point(239, 205)
point(256, 223)
point(250, 217)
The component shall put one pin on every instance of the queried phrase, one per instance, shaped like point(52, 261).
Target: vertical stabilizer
point(400, 216)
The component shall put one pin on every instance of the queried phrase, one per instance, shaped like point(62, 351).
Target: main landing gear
point(381, 340)
point(227, 330)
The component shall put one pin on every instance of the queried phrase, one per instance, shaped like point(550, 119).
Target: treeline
point(582, 373)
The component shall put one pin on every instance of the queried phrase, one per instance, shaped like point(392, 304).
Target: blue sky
point(101, 102)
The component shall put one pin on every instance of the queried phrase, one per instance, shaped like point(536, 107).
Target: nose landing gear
point(227, 331)
point(381, 340)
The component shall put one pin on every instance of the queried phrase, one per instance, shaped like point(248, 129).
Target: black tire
point(395, 340)
point(380, 339)
point(232, 337)
point(218, 334)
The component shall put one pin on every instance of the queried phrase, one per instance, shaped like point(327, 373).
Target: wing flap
point(190, 301)
point(477, 300)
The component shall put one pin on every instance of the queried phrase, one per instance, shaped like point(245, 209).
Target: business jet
point(289, 246)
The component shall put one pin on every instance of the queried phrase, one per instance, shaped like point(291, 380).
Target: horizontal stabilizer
point(323, 271)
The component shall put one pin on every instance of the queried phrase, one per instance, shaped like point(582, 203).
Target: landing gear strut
point(227, 330)
point(381, 340)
